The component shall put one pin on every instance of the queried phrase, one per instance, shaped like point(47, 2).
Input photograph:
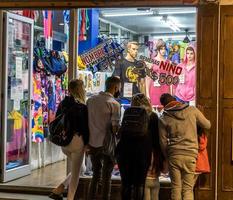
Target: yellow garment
point(66, 56)
point(81, 65)
point(18, 119)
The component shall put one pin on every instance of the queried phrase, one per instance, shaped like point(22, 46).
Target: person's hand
point(87, 149)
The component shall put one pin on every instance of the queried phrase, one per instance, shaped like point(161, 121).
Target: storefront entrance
point(213, 84)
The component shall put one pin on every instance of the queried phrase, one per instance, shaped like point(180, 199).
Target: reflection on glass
point(19, 34)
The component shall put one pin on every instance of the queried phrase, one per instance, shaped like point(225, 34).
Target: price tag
point(19, 67)
point(182, 78)
point(128, 90)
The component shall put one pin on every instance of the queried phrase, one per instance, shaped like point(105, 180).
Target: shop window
point(36, 66)
point(165, 39)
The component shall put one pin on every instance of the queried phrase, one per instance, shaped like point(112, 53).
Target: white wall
point(45, 153)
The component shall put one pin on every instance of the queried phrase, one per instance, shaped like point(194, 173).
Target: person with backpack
point(76, 122)
point(138, 140)
point(104, 119)
point(179, 143)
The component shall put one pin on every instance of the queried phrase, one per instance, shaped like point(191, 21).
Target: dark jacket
point(77, 115)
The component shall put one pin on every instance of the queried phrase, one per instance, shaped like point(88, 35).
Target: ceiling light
point(128, 14)
point(171, 24)
point(172, 36)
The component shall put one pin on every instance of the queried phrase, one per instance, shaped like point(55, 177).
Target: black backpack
point(60, 130)
point(135, 122)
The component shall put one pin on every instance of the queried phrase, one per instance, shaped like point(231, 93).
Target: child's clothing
point(152, 187)
point(202, 165)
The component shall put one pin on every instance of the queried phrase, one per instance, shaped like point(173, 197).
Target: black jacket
point(77, 115)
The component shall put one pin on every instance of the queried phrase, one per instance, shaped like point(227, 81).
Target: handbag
point(58, 66)
point(109, 144)
point(60, 132)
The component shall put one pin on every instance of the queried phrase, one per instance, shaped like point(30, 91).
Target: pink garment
point(48, 32)
point(186, 90)
point(156, 91)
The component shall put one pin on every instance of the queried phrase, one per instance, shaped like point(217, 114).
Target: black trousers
point(102, 167)
point(134, 158)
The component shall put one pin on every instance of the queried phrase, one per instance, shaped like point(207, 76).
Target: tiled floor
point(15, 196)
point(49, 176)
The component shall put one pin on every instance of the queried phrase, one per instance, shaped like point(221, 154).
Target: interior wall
point(45, 153)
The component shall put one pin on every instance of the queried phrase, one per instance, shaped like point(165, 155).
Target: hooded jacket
point(186, 89)
point(178, 129)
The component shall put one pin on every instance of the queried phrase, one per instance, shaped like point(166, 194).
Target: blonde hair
point(130, 43)
point(77, 90)
point(142, 101)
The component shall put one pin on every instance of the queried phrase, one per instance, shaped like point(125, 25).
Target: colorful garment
point(183, 46)
point(17, 141)
point(187, 84)
point(37, 114)
point(155, 89)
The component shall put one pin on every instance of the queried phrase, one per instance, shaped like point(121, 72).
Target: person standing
point(77, 115)
point(179, 143)
point(104, 116)
point(135, 153)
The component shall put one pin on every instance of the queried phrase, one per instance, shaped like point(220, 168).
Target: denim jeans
point(182, 174)
point(102, 166)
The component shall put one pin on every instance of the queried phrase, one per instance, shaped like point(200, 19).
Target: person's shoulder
point(191, 108)
point(154, 116)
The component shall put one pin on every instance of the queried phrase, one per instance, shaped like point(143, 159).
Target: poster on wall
point(103, 56)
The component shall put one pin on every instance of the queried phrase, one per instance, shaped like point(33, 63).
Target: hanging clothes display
point(48, 28)
point(84, 24)
point(48, 90)
point(37, 114)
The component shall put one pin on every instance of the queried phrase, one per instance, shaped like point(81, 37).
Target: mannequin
point(185, 91)
point(153, 88)
point(132, 78)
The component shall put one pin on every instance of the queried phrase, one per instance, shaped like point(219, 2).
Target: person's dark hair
point(160, 43)
point(190, 49)
point(112, 82)
point(166, 98)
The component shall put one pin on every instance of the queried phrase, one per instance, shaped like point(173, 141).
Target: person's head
point(142, 101)
point(161, 47)
point(190, 54)
point(77, 90)
point(176, 48)
point(166, 98)
point(113, 86)
point(132, 49)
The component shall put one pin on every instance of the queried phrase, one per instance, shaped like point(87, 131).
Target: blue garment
point(176, 58)
point(181, 101)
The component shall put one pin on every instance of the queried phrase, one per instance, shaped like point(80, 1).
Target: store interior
point(98, 28)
